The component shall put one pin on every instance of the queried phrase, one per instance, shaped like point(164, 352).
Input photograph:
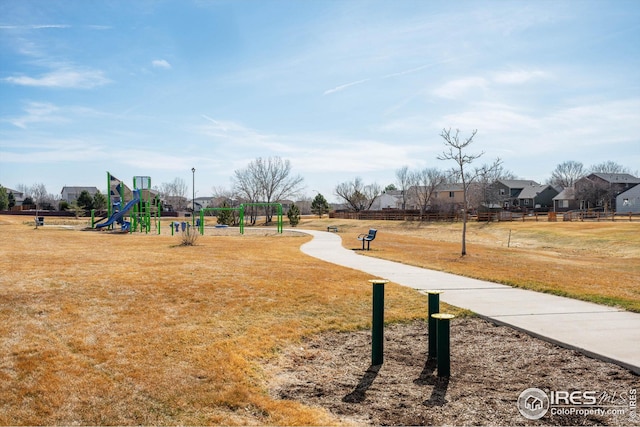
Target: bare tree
point(267, 181)
point(424, 185)
point(175, 193)
point(403, 177)
point(485, 192)
point(39, 194)
point(456, 152)
point(567, 173)
point(357, 195)
point(609, 167)
point(247, 186)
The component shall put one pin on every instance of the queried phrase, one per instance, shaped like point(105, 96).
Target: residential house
point(448, 197)
point(537, 196)
point(629, 201)
point(71, 194)
point(565, 200)
point(600, 190)
point(18, 196)
point(390, 199)
point(508, 191)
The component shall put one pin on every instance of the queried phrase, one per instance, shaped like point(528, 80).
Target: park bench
point(333, 228)
point(368, 237)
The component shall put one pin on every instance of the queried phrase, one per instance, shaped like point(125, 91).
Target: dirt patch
point(490, 366)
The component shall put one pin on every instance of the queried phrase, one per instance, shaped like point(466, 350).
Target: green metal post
point(434, 308)
point(279, 218)
point(93, 218)
point(202, 221)
point(444, 356)
point(241, 219)
point(377, 324)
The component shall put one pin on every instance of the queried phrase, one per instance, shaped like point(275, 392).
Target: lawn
point(99, 328)
point(593, 261)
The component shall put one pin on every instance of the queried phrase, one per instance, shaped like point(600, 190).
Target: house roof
point(79, 189)
point(14, 192)
point(450, 187)
point(393, 192)
point(631, 191)
point(517, 183)
point(617, 178)
point(568, 193)
point(531, 191)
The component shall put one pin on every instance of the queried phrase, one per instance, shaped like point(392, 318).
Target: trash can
point(40, 220)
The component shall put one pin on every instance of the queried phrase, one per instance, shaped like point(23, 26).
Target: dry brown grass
point(594, 261)
point(112, 329)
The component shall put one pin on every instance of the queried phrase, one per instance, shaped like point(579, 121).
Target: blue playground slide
point(117, 217)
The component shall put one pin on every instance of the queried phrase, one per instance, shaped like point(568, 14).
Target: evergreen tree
point(99, 201)
point(85, 201)
point(225, 217)
point(294, 215)
point(319, 205)
point(4, 199)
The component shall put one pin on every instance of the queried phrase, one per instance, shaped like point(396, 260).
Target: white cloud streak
point(344, 86)
point(63, 78)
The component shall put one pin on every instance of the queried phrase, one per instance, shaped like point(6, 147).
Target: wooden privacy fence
point(395, 215)
point(408, 215)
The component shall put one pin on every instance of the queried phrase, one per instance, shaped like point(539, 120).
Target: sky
point(340, 88)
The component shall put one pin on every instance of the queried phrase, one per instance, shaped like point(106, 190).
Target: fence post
point(377, 323)
point(444, 355)
point(434, 308)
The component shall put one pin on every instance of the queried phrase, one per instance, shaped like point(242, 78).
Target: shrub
point(294, 215)
point(189, 236)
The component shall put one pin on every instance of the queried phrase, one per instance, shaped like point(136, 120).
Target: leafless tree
point(357, 195)
point(403, 177)
point(456, 151)
point(175, 193)
point(267, 181)
point(40, 196)
point(485, 192)
point(609, 167)
point(567, 173)
point(424, 184)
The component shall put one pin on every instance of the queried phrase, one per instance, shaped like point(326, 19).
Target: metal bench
point(333, 228)
point(369, 237)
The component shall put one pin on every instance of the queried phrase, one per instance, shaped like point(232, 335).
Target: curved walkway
point(603, 332)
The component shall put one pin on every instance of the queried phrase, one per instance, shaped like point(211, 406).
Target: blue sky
point(342, 89)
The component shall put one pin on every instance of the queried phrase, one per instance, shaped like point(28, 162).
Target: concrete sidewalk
point(599, 331)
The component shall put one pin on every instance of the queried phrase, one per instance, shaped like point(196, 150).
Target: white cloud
point(37, 112)
point(161, 63)
point(63, 78)
point(32, 27)
point(456, 88)
point(519, 77)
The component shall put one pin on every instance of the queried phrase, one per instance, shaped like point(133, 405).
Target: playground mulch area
point(490, 366)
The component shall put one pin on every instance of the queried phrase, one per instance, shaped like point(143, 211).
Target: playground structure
point(142, 206)
point(241, 209)
point(135, 210)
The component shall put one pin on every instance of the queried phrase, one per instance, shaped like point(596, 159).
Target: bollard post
point(434, 308)
point(377, 322)
point(444, 358)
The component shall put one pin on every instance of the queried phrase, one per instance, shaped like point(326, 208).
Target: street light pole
point(193, 197)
